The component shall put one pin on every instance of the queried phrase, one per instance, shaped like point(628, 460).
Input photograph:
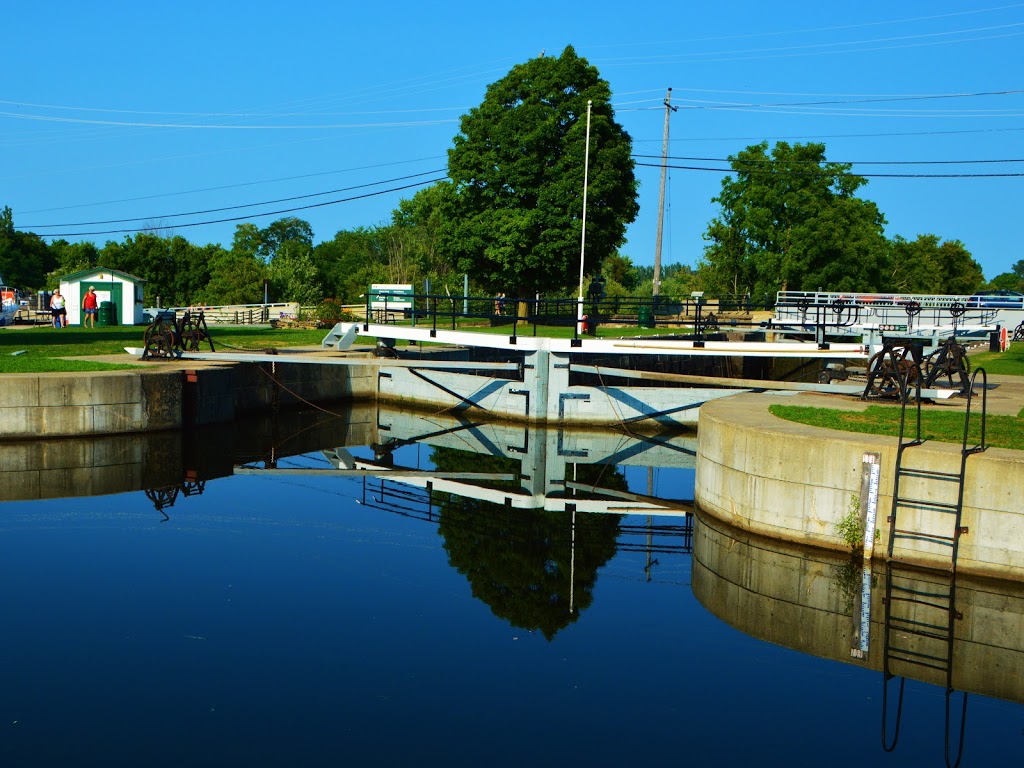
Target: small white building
point(122, 290)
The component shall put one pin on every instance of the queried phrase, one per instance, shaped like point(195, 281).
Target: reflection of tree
point(518, 561)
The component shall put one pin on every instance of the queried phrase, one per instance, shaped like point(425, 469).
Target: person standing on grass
point(58, 310)
point(90, 306)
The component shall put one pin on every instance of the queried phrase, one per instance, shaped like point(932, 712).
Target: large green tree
point(281, 231)
point(791, 220)
point(925, 265)
point(420, 237)
point(237, 276)
point(25, 259)
point(1018, 269)
point(350, 262)
point(73, 257)
point(517, 166)
point(293, 275)
point(175, 270)
point(281, 252)
point(1007, 281)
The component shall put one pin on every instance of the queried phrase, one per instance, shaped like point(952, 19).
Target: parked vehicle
point(8, 303)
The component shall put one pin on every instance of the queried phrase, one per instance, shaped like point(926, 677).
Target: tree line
point(511, 217)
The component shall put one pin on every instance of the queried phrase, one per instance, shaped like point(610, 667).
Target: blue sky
point(113, 111)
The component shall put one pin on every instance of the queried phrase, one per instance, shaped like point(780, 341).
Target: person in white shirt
point(57, 308)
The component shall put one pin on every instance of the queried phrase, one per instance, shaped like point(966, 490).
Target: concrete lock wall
point(117, 402)
point(217, 395)
point(762, 474)
point(50, 404)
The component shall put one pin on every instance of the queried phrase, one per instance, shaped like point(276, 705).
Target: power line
point(833, 28)
point(824, 49)
point(231, 186)
point(837, 135)
point(311, 113)
point(843, 162)
point(222, 126)
point(861, 100)
point(232, 207)
point(436, 171)
point(255, 215)
point(864, 175)
point(706, 105)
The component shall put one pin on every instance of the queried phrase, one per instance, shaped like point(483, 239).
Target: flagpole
point(583, 236)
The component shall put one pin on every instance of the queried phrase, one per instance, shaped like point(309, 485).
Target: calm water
point(300, 618)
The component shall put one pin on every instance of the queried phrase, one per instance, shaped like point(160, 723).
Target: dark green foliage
point(174, 270)
point(925, 265)
point(791, 221)
point(282, 253)
point(350, 262)
point(621, 270)
point(518, 168)
point(329, 311)
point(25, 259)
point(1007, 281)
point(293, 274)
point(413, 248)
point(235, 278)
point(421, 238)
point(72, 257)
point(281, 231)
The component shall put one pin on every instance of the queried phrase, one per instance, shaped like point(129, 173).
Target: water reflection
point(957, 634)
point(920, 624)
point(561, 535)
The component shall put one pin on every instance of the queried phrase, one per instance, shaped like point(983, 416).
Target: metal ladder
point(927, 507)
point(920, 612)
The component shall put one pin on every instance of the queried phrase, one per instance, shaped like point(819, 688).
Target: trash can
point(645, 316)
point(107, 314)
point(994, 344)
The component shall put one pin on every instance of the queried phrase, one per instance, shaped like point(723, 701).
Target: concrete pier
point(793, 482)
point(165, 395)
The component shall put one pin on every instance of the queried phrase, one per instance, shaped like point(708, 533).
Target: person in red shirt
point(90, 306)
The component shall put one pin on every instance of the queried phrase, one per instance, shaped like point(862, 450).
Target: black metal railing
point(692, 315)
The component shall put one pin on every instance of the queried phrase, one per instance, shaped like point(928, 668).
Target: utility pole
point(669, 109)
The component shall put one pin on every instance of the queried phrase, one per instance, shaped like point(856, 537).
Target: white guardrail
point(890, 308)
point(233, 314)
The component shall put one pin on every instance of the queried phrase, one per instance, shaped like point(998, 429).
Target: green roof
point(98, 270)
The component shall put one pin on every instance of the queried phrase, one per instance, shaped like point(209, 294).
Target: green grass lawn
point(42, 347)
point(942, 426)
point(1009, 363)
